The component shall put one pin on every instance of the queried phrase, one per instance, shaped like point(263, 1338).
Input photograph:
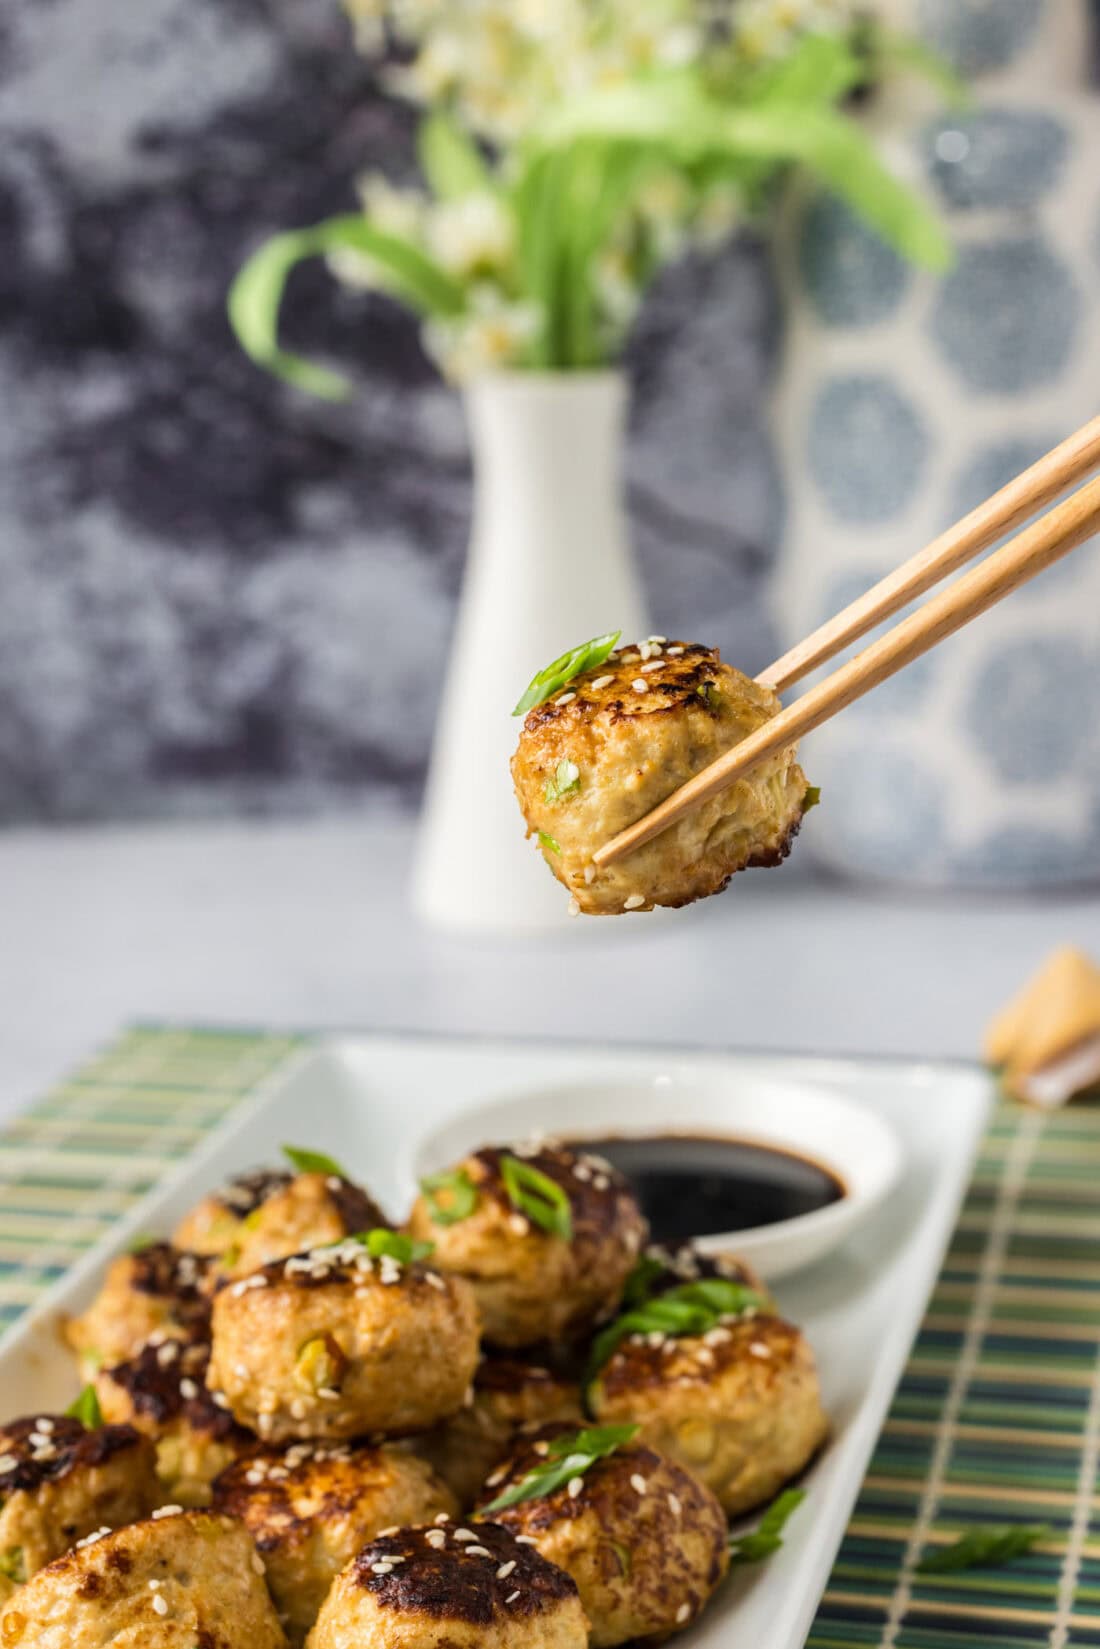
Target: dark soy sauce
point(696, 1185)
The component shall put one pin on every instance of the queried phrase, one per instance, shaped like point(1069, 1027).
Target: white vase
point(549, 566)
point(903, 401)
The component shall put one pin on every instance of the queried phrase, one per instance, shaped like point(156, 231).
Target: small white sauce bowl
point(853, 1143)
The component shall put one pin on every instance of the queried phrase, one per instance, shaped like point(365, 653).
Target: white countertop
point(306, 924)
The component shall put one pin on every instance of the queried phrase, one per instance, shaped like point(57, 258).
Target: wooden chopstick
point(1032, 490)
point(1047, 540)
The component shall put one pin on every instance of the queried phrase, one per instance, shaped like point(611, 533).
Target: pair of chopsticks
point(1046, 541)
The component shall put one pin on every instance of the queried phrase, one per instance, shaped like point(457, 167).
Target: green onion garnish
point(566, 1457)
point(811, 798)
point(565, 779)
point(548, 841)
point(767, 1537)
point(312, 1162)
point(692, 1308)
point(985, 1546)
point(538, 1196)
point(563, 669)
point(461, 1195)
point(394, 1245)
point(86, 1409)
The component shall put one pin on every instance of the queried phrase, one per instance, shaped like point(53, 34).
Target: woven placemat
point(996, 1419)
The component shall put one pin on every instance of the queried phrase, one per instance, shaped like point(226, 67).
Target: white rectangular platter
point(368, 1100)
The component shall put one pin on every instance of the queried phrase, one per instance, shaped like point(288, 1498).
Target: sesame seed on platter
point(674, 1505)
point(44, 1424)
point(436, 1538)
point(259, 1567)
point(635, 902)
point(384, 1534)
point(648, 669)
point(465, 1534)
point(602, 681)
point(682, 1613)
point(565, 698)
point(640, 685)
point(168, 1511)
point(656, 641)
point(381, 1568)
point(589, 874)
point(518, 1225)
point(8, 1462)
point(160, 1604)
point(575, 1487)
point(525, 1540)
point(478, 1551)
point(512, 1596)
point(573, 908)
point(506, 1568)
point(541, 1448)
point(759, 1349)
point(638, 1483)
point(674, 652)
point(443, 1517)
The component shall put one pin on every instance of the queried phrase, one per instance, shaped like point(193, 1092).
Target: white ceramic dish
point(851, 1140)
point(368, 1100)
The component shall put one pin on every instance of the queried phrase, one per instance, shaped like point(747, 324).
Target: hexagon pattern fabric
point(905, 400)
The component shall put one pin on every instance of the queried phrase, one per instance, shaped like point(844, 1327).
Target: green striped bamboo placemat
point(996, 1419)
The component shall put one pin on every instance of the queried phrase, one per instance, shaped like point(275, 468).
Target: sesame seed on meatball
point(622, 737)
point(172, 1582)
point(448, 1587)
point(335, 1343)
point(156, 1289)
point(59, 1481)
point(163, 1393)
point(740, 1406)
point(534, 1284)
point(645, 1541)
point(313, 1506)
point(509, 1396)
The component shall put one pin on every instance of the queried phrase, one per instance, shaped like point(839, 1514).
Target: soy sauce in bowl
point(697, 1185)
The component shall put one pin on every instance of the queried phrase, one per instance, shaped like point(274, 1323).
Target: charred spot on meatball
point(548, 1239)
point(597, 757)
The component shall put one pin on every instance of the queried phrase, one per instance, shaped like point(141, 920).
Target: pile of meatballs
point(309, 1428)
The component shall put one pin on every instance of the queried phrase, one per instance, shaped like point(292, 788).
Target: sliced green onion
point(692, 1308)
point(538, 1196)
point(549, 842)
point(985, 1546)
point(461, 1193)
point(395, 1245)
point(563, 669)
point(567, 1457)
point(565, 779)
point(767, 1537)
point(86, 1409)
point(811, 798)
point(312, 1162)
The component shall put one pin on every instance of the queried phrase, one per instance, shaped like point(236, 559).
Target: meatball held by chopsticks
point(603, 744)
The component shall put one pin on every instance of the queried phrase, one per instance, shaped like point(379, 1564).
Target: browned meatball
point(177, 1581)
point(163, 1392)
point(214, 1224)
point(312, 1507)
point(509, 1396)
point(312, 1210)
point(533, 1284)
point(335, 1344)
point(156, 1289)
point(644, 1540)
point(739, 1406)
point(451, 1588)
point(617, 740)
point(59, 1481)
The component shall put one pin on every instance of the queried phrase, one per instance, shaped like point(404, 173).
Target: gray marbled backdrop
point(215, 595)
